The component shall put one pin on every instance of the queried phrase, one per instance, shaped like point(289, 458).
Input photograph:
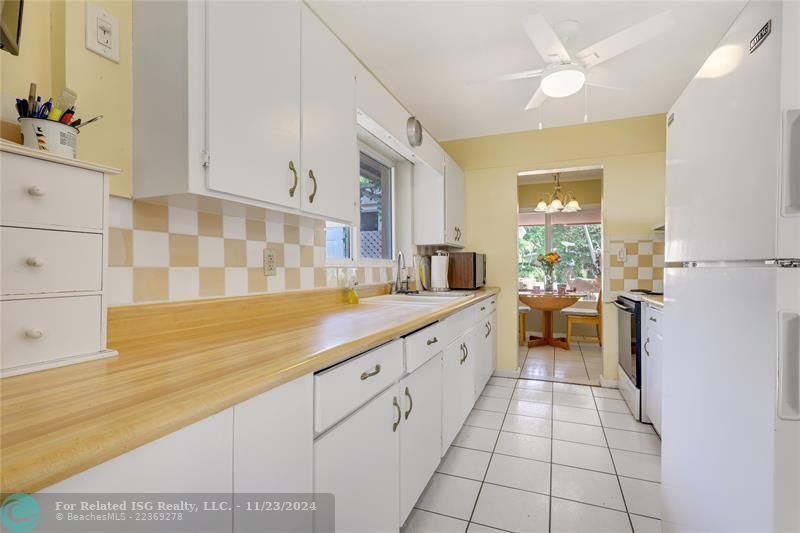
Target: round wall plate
point(414, 130)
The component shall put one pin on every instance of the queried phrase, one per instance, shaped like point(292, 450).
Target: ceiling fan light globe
point(564, 81)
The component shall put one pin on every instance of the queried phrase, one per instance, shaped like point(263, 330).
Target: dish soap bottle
point(352, 295)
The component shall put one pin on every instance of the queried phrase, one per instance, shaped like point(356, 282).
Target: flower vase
point(548, 282)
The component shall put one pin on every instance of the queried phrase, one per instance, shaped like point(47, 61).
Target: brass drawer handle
point(34, 262)
point(653, 319)
point(36, 191)
point(34, 333)
point(465, 351)
point(483, 308)
point(314, 192)
point(410, 403)
point(399, 415)
point(367, 375)
point(293, 188)
point(488, 330)
point(432, 341)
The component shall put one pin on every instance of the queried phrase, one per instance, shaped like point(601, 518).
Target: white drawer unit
point(39, 330)
point(53, 242)
point(40, 261)
point(424, 344)
point(40, 193)
point(340, 390)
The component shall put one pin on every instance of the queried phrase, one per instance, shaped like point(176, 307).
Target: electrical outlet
point(102, 32)
point(269, 262)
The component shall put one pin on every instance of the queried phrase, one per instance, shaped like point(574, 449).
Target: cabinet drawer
point(486, 307)
point(340, 390)
point(43, 261)
point(41, 192)
point(45, 329)
point(424, 344)
point(460, 322)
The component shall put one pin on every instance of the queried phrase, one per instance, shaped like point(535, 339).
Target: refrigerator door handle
point(789, 366)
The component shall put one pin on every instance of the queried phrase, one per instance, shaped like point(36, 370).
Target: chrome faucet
point(400, 287)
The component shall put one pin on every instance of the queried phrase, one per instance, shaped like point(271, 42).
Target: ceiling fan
point(564, 74)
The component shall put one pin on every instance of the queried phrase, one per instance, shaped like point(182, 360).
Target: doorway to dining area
point(559, 244)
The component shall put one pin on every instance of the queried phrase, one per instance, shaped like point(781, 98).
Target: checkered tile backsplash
point(160, 253)
point(643, 267)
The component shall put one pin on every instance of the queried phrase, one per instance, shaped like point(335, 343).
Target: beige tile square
point(279, 255)
point(658, 248)
point(182, 250)
point(212, 282)
point(646, 284)
point(151, 217)
point(150, 284)
point(617, 284)
point(256, 280)
point(209, 224)
point(645, 260)
point(292, 279)
point(631, 273)
point(291, 234)
point(632, 248)
point(658, 273)
point(120, 247)
point(235, 253)
point(306, 256)
point(320, 277)
point(319, 236)
point(256, 230)
point(291, 220)
point(615, 262)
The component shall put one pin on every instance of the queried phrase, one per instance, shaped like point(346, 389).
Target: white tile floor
point(583, 363)
point(541, 456)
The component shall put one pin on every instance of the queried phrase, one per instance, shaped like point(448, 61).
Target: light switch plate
point(269, 262)
point(102, 32)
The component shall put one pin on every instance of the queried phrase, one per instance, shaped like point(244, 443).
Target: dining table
point(547, 303)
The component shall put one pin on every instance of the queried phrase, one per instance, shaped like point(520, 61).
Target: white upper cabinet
point(329, 149)
point(254, 99)
point(453, 202)
point(380, 113)
point(430, 152)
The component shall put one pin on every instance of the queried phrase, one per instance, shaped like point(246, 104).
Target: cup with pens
point(51, 126)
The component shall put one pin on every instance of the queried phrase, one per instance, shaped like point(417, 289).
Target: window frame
point(355, 258)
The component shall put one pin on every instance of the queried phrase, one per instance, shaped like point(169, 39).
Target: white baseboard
point(608, 383)
point(507, 373)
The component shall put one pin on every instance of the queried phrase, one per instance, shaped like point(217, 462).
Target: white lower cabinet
point(194, 459)
point(420, 431)
point(487, 355)
point(654, 354)
point(458, 386)
point(358, 461)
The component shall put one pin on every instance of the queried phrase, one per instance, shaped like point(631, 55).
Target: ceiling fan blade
point(604, 86)
point(536, 100)
point(544, 38)
point(627, 39)
point(522, 75)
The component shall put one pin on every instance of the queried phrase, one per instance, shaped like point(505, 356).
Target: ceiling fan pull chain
point(585, 104)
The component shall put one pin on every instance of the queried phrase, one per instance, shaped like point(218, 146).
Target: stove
point(636, 294)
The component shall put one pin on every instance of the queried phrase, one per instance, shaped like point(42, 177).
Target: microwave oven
point(467, 270)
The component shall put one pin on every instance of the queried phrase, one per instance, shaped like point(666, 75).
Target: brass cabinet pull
point(653, 319)
point(432, 341)
point(645, 347)
point(367, 375)
point(410, 403)
point(36, 191)
point(399, 415)
point(293, 188)
point(314, 192)
point(483, 308)
point(488, 330)
point(465, 351)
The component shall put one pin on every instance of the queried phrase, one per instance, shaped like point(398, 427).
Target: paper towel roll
point(439, 265)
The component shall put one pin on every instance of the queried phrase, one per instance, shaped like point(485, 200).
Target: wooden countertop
point(179, 363)
point(654, 299)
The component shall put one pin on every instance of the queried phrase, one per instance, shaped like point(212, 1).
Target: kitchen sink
point(432, 299)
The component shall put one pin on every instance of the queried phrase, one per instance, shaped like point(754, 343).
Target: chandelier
point(558, 201)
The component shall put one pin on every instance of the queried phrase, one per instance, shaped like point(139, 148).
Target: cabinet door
point(485, 363)
point(454, 203)
point(654, 349)
point(358, 461)
point(458, 386)
point(273, 440)
point(254, 99)
point(428, 193)
point(421, 431)
point(330, 153)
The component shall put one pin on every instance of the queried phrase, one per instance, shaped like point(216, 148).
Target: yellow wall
point(631, 152)
point(586, 191)
point(58, 58)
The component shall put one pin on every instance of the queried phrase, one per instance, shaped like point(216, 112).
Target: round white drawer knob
point(34, 262)
point(36, 191)
point(34, 333)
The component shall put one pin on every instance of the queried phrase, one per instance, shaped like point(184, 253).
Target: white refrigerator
point(731, 374)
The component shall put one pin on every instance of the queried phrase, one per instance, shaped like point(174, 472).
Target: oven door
point(627, 335)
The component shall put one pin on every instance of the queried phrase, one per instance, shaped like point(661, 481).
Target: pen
point(32, 96)
point(45, 109)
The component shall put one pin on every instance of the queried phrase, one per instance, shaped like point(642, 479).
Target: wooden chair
point(582, 315)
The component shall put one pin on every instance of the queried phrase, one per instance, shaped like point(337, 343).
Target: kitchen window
point(577, 237)
point(371, 239)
